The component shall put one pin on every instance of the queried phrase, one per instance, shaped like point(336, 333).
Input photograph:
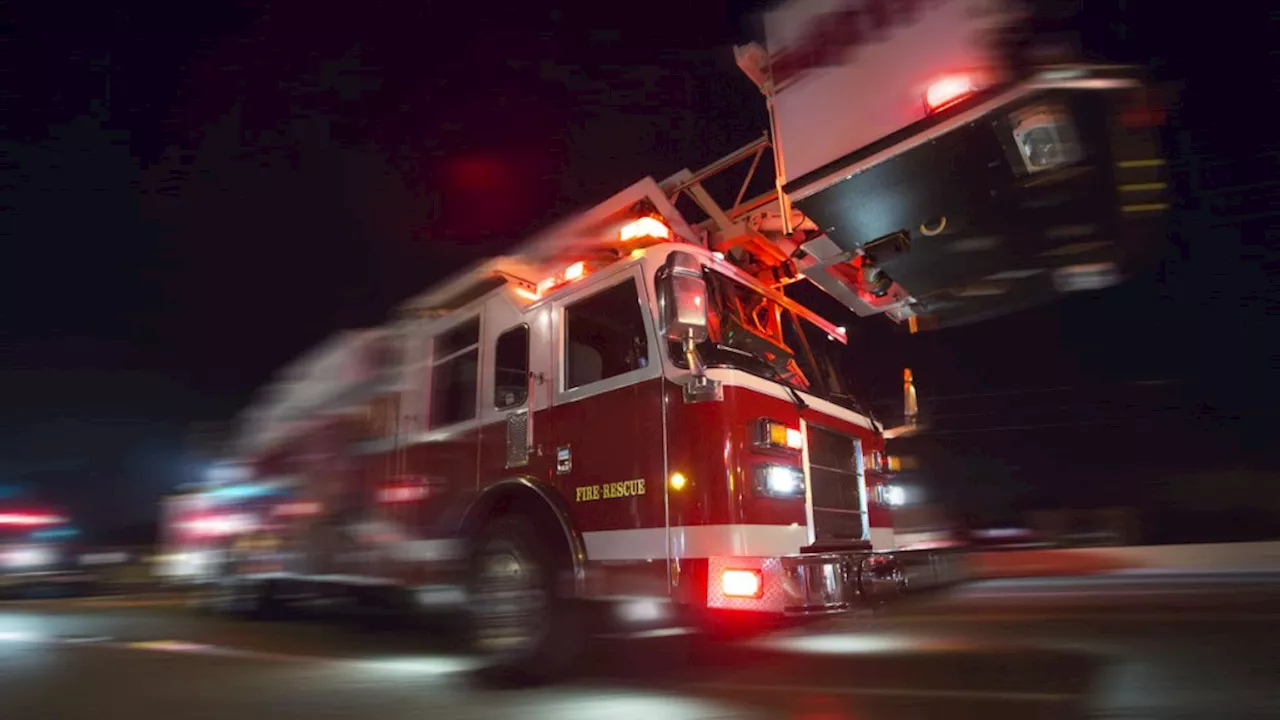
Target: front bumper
point(827, 583)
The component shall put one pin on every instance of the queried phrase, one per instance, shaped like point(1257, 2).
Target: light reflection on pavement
point(992, 651)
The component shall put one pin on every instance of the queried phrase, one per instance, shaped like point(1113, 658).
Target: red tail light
point(742, 583)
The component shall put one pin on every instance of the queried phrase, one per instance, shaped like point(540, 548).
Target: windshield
point(752, 333)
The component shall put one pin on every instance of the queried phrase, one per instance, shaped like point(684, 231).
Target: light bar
point(576, 271)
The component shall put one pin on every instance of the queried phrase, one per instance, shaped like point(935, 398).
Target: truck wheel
point(522, 628)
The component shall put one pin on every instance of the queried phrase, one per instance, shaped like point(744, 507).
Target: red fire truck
point(631, 410)
point(38, 553)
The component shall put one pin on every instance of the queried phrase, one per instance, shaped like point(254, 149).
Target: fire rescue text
point(610, 491)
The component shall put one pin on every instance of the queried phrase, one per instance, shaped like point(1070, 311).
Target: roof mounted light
point(644, 227)
point(576, 271)
point(948, 91)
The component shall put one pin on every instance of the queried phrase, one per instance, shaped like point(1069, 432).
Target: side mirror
point(682, 299)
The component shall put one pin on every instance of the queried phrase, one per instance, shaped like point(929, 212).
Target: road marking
point(433, 665)
point(183, 647)
point(895, 692)
point(175, 602)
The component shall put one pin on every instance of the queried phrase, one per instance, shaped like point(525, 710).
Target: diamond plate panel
point(517, 439)
point(793, 585)
point(774, 598)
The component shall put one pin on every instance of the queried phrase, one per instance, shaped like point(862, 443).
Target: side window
point(511, 368)
point(604, 336)
point(454, 370)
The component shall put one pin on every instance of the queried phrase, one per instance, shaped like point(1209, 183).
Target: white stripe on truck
point(696, 541)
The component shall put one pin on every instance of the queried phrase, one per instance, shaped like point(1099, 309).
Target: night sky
point(194, 193)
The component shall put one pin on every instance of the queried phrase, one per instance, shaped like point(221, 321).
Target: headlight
point(891, 495)
point(780, 481)
point(1045, 138)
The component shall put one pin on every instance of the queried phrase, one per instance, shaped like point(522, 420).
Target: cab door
point(514, 393)
point(604, 432)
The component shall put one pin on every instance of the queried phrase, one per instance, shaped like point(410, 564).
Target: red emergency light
point(30, 519)
point(576, 271)
point(401, 493)
point(948, 91)
point(641, 228)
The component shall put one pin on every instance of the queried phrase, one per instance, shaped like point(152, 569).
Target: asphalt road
point(1135, 647)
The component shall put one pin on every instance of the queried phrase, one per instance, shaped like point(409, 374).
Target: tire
point(519, 624)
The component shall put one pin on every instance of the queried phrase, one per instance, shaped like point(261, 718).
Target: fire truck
point(631, 410)
point(38, 553)
point(196, 524)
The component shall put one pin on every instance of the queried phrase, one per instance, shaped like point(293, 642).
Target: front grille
point(835, 465)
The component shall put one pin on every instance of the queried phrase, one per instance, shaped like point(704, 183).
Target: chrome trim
point(861, 465)
point(808, 481)
point(881, 579)
point(858, 471)
point(840, 581)
point(820, 584)
point(673, 562)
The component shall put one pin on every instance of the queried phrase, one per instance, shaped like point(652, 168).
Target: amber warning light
point(576, 271)
point(645, 227)
point(640, 228)
point(775, 434)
